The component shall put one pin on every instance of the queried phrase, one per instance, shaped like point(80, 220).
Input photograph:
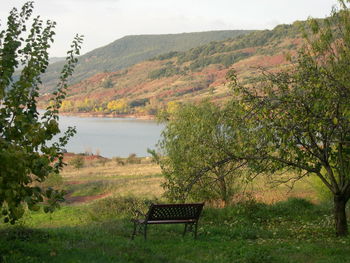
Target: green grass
point(290, 231)
point(90, 188)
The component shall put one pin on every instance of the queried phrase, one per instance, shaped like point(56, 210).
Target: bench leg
point(134, 232)
point(185, 230)
point(189, 228)
point(145, 231)
point(195, 230)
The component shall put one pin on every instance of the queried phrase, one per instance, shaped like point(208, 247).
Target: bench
point(187, 214)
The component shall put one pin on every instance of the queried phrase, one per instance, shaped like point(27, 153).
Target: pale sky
point(103, 21)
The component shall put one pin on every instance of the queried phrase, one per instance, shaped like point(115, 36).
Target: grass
point(290, 231)
point(287, 231)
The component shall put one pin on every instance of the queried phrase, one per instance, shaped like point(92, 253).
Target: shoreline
point(108, 115)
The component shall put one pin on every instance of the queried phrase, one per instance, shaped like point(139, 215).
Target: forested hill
point(130, 50)
point(183, 76)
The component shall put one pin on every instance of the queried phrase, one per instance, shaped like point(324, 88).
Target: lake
point(111, 137)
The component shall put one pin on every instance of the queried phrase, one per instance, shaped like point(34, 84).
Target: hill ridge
point(129, 50)
point(163, 81)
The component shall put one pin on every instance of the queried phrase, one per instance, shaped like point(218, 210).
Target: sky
point(103, 21)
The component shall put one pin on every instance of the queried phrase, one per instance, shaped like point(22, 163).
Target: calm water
point(111, 136)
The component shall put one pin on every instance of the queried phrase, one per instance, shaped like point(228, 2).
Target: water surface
point(111, 136)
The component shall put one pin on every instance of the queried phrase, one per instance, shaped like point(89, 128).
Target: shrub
point(77, 162)
point(119, 207)
point(292, 207)
point(133, 159)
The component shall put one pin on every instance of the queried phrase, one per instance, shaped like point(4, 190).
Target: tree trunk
point(223, 190)
point(341, 224)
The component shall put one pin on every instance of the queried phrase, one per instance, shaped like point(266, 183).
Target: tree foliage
point(194, 158)
point(119, 106)
point(300, 119)
point(27, 156)
point(167, 71)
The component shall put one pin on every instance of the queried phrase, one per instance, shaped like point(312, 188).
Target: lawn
point(98, 230)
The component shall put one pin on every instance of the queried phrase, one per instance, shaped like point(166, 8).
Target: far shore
point(108, 115)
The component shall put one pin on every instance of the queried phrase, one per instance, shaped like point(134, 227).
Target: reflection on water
point(111, 136)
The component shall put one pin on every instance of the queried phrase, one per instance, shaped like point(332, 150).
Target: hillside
point(130, 50)
point(176, 77)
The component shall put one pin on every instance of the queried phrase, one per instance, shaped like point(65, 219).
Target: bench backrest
point(174, 211)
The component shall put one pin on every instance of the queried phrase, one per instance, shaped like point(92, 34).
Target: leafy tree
point(300, 119)
point(107, 84)
point(139, 102)
point(194, 162)
point(84, 105)
point(67, 105)
point(120, 106)
point(26, 154)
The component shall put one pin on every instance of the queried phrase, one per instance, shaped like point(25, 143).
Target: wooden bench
point(187, 214)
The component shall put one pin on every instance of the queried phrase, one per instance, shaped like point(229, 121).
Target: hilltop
point(130, 50)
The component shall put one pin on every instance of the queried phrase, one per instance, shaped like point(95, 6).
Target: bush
point(119, 207)
point(251, 211)
point(77, 162)
point(292, 207)
point(133, 159)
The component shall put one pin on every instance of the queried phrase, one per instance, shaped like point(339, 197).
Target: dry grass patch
point(145, 179)
point(95, 170)
point(143, 186)
point(100, 179)
point(266, 190)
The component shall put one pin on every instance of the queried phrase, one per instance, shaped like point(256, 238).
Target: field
point(273, 225)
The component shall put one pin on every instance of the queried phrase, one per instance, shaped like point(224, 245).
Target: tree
point(107, 84)
point(119, 106)
point(27, 156)
point(300, 119)
point(67, 105)
point(172, 107)
point(83, 105)
point(194, 157)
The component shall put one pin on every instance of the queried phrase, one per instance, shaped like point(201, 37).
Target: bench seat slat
point(142, 221)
